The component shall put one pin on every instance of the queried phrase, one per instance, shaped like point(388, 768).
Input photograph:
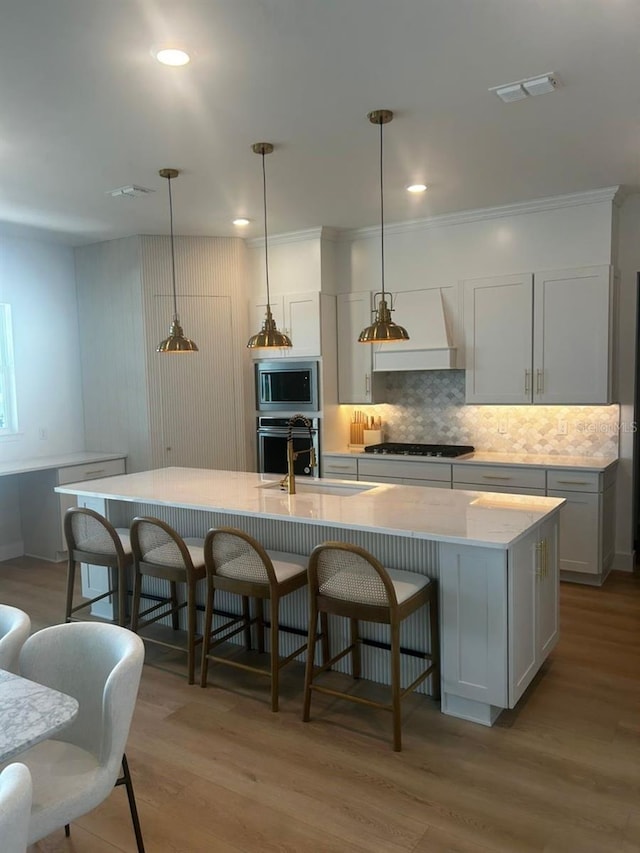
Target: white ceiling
point(84, 108)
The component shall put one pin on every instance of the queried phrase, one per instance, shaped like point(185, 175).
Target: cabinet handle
point(367, 384)
point(94, 473)
point(545, 567)
point(573, 482)
point(539, 381)
point(494, 477)
point(527, 381)
point(337, 467)
point(542, 568)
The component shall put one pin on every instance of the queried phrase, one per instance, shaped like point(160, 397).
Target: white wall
point(38, 280)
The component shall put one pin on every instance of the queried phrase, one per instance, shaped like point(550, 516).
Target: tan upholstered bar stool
point(160, 552)
point(239, 564)
point(94, 540)
point(345, 580)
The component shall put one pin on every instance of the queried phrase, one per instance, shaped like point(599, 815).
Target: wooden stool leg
point(260, 618)
point(175, 616)
point(355, 651)
point(324, 632)
point(434, 647)
point(121, 573)
point(246, 615)
point(191, 629)
point(206, 635)
point(275, 651)
point(395, 684)
point(135, 602)
point(311, 652)
point(71, 579)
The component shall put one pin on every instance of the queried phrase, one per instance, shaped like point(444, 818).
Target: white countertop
point(63, 460)
point(464, 517)
point(539, 460)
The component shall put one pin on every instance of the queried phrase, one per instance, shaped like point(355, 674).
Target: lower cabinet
point(586, 544)
point(499, 612)
point(43, 510)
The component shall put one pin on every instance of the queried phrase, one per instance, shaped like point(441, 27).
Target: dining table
point(29, 713)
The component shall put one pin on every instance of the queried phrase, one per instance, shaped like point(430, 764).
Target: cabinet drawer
point(90, 471)
point(570, 480)
point(399, 468)
point(499, 475)
point(339, 465)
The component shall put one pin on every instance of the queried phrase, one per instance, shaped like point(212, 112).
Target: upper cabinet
point(355, 360)
point(540, 338)
point(302, 316)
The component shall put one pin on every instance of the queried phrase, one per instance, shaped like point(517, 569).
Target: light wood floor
point(215, 770)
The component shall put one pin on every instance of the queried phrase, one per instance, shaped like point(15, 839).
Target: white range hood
point(421, 312)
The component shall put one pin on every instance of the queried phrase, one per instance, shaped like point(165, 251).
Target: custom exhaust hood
point(430, 345)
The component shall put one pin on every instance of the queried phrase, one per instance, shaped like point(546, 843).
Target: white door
point(197, 404)
point(302, 324)
point(580, 517)
point(498, 336)
point(571, 343)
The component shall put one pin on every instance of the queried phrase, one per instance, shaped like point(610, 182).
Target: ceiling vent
point(521, 89)
point(131, 191)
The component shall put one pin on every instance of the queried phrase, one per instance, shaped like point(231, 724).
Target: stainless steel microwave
point(287, 386)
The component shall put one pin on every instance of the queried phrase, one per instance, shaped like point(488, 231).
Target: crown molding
point(604, 194)
point(324, 232)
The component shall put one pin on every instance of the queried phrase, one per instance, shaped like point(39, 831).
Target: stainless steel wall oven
point(272, 446)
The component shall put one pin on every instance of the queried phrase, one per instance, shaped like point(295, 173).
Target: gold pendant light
point(383, 329)
point(176, 342)
point(268, 336)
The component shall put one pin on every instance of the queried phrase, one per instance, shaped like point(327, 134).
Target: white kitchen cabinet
point(499, 617)
point(534, 604)
point(503, 478)
point(355, 360)
point(339, 467)
point(42, 510)
point(543, 338)
point(299, 315)
point(587, 523)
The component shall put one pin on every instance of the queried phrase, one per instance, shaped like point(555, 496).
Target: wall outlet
point(503, 427)
point(43, 433)
point(562, 428)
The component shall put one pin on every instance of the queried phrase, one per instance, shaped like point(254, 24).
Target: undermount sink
point(317, 487)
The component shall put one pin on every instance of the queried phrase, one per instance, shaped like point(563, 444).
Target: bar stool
point(160, 552)
point(239, 564)
point(92, 539)
point(346, 580)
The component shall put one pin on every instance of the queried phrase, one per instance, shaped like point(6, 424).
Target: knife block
point(371, 436)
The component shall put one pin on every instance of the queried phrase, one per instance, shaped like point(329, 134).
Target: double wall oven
point(283, 389)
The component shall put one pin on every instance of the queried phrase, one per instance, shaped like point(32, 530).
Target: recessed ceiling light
point(241, 221)
point(417, 188)
point(172, 56)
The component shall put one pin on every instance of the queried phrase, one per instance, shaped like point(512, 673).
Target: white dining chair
point(15, 806)
point(100, 665)
point(15, 627)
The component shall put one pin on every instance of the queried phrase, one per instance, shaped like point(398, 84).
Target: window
point(8, 410)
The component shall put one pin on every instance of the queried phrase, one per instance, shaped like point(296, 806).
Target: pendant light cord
point(266, 248)
point(381, 213)
point(173, 255)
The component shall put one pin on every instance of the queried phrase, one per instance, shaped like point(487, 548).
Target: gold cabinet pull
point(539, 558)
point(527, 381)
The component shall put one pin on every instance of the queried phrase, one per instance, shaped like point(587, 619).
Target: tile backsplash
point(429, 407)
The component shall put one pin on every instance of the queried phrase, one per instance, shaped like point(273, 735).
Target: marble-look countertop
point(485, 457)
point(29, 713)
point(464, 517)
point(63, 460)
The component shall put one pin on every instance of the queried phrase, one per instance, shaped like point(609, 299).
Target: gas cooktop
point(402, 449)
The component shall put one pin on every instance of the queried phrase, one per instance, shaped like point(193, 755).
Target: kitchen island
point(494, 557)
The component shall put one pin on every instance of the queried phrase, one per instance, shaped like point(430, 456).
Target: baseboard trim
point(624, 562)
point(12, 550)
